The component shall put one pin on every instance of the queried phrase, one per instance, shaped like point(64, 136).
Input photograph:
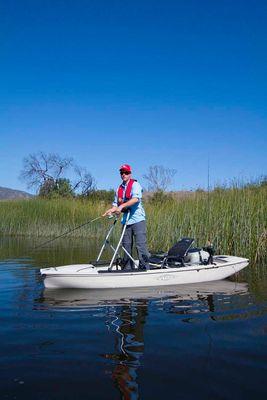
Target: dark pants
point(138, 232)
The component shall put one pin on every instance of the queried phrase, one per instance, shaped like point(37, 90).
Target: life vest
point(127, 196)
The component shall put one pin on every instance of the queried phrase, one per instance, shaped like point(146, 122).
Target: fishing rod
point(65, 233)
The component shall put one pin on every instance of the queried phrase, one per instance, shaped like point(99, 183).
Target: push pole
point(118, 245)
point(129, 255)
point(106, 239)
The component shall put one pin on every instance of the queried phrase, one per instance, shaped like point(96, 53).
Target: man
point(128, 199)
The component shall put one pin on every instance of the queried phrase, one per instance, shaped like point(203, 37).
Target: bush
point(160, 197)
point(56, 188)
point(106, 196)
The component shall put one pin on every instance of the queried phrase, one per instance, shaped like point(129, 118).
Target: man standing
point(128, 199)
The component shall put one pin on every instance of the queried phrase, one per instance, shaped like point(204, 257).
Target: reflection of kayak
point(77, 298)
point(88, 276)
point(180, 265)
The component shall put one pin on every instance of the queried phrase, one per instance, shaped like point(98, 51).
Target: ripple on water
point(135, 342)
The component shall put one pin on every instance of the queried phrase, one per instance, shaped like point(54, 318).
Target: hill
point(12, 194)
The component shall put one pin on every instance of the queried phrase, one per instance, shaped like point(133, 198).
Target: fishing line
point(65, 233)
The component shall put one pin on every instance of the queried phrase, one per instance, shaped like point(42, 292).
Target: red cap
point(126, 167)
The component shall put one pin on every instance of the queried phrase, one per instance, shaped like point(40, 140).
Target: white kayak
point(89, 276)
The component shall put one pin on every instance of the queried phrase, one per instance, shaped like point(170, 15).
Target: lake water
point(206, 341)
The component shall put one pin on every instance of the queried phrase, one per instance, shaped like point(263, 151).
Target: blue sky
point(174, 83)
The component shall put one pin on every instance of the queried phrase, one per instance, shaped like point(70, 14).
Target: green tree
point(59, 188)
point(64, 188)
point(47, 188)
point(47, 173)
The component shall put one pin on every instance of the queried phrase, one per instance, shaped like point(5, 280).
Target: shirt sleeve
point(137, 190)
point(115, 201)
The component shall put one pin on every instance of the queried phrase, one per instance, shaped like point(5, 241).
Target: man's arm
point(118, 210)
point(128, 203)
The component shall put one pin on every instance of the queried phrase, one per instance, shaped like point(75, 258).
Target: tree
point(85, 183)
point(40, 168)
point(58, 188)
point(47, 173)
point(64, 188)
point(159, 178)
point(47, 188)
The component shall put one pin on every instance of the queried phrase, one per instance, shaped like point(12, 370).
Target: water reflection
point(126, 314)
point(60, 252)
point(107, 341)
point(128, 324)
point(82, 299)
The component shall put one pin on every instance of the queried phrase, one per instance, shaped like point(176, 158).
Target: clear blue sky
point(169, 82)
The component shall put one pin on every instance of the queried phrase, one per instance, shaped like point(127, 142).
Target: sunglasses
point(125, 172)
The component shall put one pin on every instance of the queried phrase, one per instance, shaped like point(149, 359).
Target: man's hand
point(110, 211)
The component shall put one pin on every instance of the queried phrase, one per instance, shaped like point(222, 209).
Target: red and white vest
point(128, 192)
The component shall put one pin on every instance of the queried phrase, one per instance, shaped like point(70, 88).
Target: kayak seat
point(175, 254)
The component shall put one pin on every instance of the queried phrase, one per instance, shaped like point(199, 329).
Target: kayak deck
point(88, 276)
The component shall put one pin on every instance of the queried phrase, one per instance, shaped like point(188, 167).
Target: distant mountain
point(11, 194)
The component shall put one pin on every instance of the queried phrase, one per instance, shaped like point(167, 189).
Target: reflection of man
point(130, 349)
point(128, 197)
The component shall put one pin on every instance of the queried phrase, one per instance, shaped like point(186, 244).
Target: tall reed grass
point(233, 219)
point(50, 218)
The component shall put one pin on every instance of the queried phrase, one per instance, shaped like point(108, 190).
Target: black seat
point(175, 254)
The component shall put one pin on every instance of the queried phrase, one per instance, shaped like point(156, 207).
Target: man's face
point(125, 176)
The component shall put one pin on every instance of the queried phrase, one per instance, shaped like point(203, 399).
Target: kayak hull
point(87, 276)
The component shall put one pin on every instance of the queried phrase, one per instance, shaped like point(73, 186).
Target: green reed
point(233, 219)
point(50, 218)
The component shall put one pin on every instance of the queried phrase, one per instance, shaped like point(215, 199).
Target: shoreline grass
point(233, 219)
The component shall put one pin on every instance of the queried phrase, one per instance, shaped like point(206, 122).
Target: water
point(201, 341)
